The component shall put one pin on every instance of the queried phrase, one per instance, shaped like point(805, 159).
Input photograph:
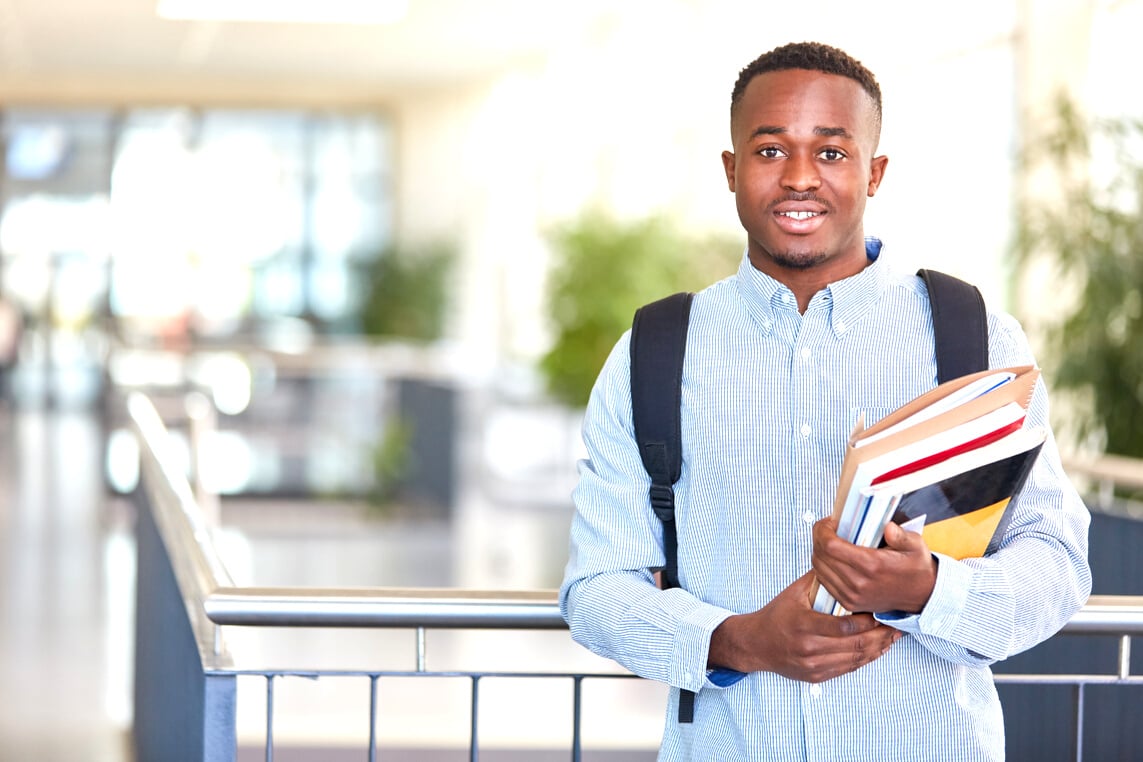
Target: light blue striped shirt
point(769, 398)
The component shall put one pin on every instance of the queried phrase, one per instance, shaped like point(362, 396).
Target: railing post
point(577, 716)
point(1079, 722)
point(373, 717)
point(270, 718)
point(220, 740)
point(473, 743)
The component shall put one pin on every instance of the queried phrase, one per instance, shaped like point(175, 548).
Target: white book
point(977, 388)
point(943, 441)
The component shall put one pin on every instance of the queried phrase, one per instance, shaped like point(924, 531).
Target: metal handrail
point(180, 516)
point(385, 607)
point(224, 603)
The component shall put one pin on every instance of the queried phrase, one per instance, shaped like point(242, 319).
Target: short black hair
point(812, 56)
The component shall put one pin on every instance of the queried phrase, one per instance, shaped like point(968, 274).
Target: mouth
point(800, 215)
point(800, 221)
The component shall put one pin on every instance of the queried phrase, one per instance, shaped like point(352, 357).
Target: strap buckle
point(663, 501)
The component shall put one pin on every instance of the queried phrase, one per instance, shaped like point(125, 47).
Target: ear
point(876, 173)
point(728, 167)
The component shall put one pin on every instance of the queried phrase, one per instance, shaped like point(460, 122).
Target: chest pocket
point(872, 413)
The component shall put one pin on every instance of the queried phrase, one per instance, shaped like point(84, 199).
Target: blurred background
point(389, 247)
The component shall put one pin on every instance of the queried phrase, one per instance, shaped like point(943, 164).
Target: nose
point(800, 173)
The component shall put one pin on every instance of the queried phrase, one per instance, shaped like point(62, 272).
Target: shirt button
point(808, 517)
point(806, 353)
point(806, 430)
point(815, 690)
point(840, 325)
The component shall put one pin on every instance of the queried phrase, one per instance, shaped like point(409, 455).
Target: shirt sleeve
point(983, 610)
point(609, 597)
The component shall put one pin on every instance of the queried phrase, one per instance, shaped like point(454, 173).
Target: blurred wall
point(625, 108)
point(630, 114)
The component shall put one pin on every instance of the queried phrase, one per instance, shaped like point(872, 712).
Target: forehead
point(798, 100)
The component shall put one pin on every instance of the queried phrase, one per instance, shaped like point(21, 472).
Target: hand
point(789, 638)
point(899, 577)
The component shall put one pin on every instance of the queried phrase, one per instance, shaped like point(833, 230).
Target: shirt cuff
point(692, 646)
point(942, 613)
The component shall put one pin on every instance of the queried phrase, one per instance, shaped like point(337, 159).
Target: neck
point(804, 282)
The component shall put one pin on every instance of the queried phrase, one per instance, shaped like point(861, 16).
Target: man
point(812, 331)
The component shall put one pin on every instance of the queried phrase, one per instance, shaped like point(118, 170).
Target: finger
point(854, 652)
point(825, 576)
point(828, 525)
point(823, 533)
point(873, 643)
point(845, 576)
point(835, 632)
point(837, 566)
point(858, 624)
point(829, 546)
point(870, 645)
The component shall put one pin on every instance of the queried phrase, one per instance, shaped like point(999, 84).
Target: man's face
point(801, 170)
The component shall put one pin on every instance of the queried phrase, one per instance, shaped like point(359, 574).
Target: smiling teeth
point(800, 215)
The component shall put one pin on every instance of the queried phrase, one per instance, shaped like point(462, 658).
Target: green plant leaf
point(407, 292)
point(607, 269)
point(1092, 232)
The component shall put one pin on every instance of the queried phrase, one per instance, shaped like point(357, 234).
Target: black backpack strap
point(960, 325)
point(658, 345)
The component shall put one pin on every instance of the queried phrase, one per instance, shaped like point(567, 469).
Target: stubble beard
point(801, 260)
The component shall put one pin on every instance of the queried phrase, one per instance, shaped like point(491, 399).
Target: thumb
point(898, 538)
point(804, 582)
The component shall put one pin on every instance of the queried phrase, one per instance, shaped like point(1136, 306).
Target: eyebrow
point(825, 132)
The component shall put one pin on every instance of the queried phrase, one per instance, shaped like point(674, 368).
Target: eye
point(770, 152)
point(832, 154)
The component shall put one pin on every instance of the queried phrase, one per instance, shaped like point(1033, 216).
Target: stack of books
point(946, 465)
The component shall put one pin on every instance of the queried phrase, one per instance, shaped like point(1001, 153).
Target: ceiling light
point(285, 11)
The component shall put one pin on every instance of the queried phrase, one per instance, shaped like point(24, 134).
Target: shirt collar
point(848, 299)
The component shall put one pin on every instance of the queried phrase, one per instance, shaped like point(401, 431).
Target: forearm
point(985, 610)
point(658, 634)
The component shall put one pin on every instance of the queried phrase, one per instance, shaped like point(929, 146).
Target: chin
point(798, 260)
